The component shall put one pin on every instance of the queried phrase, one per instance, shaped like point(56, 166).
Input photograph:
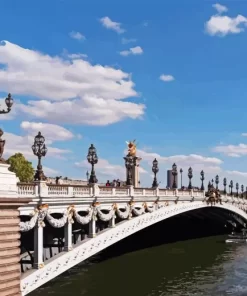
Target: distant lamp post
point(181, 173)
point(92, 158)
point(40, 150)
point(9, 103)
point(190, 175)
point(87, 174)
point(242, 191)
point(237, 187)
point(231, 187)
point(212, 181)
point(155, 170)
point(202, 179)
point(246, 192)
point(225, 184)
point(174, 173)
point(217, 181)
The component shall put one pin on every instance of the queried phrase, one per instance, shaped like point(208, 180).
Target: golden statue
point(131, 148)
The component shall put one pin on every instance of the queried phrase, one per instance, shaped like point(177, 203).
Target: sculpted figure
point(131, 148)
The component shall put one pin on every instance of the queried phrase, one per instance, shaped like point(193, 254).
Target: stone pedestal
point(8, 182)
point(10, 272)
point(135, 173)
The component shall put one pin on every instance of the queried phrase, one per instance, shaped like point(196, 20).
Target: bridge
point(91, 218)
point(46, 229)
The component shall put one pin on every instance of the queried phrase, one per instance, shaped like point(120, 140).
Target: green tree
point(22, 167)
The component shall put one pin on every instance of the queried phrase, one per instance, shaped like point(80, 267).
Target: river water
point(204, 266)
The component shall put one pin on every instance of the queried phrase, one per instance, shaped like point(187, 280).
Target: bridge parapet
point(56, 191)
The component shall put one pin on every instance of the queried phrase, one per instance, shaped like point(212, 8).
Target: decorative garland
point(84, 219)
point(123, 214)
point(28, 225)
point(57, 223)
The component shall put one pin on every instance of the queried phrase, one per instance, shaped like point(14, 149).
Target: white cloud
point(111, 25)
point(75, 56)
point(77, 35)
point(166, 78)
point(220, 8)
point(132, 51)
point(237, 173)
point(104, 168)
point(197, 162)
point(52, 132)
point(232, 150)
point(50, 172)
point(22, 144)
point(126, 41)
point(222, 25)
point(90, 94)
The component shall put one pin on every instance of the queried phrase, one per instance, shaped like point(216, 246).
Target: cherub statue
point(131, 148)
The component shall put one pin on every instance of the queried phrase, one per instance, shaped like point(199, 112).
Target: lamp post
point(202, 179)
point(190, 175)
point(231, 187)
point(39, 150)
point(9, 103)
point(87, 174)
point(92, 158)
point(174, 173)
point(225, 184)
point(237, 187)
point(242, 190)
point(181, 173)
point(246, 192)
point(212, 181)
point(217, 181)
point(155, 170)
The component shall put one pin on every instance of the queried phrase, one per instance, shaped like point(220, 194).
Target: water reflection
point(204, 266)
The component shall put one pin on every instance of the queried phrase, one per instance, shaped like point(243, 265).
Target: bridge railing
point(53, 190)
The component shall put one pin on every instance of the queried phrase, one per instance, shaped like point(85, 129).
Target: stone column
point(10, 271)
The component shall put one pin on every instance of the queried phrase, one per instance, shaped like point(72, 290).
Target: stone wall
point(10, 246)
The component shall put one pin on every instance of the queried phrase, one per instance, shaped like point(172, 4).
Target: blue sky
point(92, 73)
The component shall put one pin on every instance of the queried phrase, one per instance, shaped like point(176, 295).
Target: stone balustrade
point(52, 190)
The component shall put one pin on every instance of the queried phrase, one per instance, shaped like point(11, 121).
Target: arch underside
point(90, 246)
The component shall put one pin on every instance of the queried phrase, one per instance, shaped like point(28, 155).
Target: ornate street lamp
point(242, 190)
point(9, 103)
point(92, 158)
point(174, 173)
point(181, 173)
point(212, 181)
point(202, 179)
point(225, 184)
point(190, 175)
point(217, 181)
point(155, 170)
point(39, 150)
point(237, 187)
point(231, 187)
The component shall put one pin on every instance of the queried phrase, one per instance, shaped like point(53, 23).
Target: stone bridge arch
point(89, 247)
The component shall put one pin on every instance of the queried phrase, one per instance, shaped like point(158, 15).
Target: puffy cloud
point(106, 169)
point(77, 35)
point(111, 25)
point(166, 78)
point(232, 150)
point(222, 25)
point(132, 51)
point(197, 162)
point(85, 93)
point(22, 144)
point(220, 8)
point(52, 132)
point(50, 172)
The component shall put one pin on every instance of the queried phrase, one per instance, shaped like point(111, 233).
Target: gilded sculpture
point(131, 148)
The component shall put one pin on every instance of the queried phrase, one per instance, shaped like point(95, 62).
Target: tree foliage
point(22, 167)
